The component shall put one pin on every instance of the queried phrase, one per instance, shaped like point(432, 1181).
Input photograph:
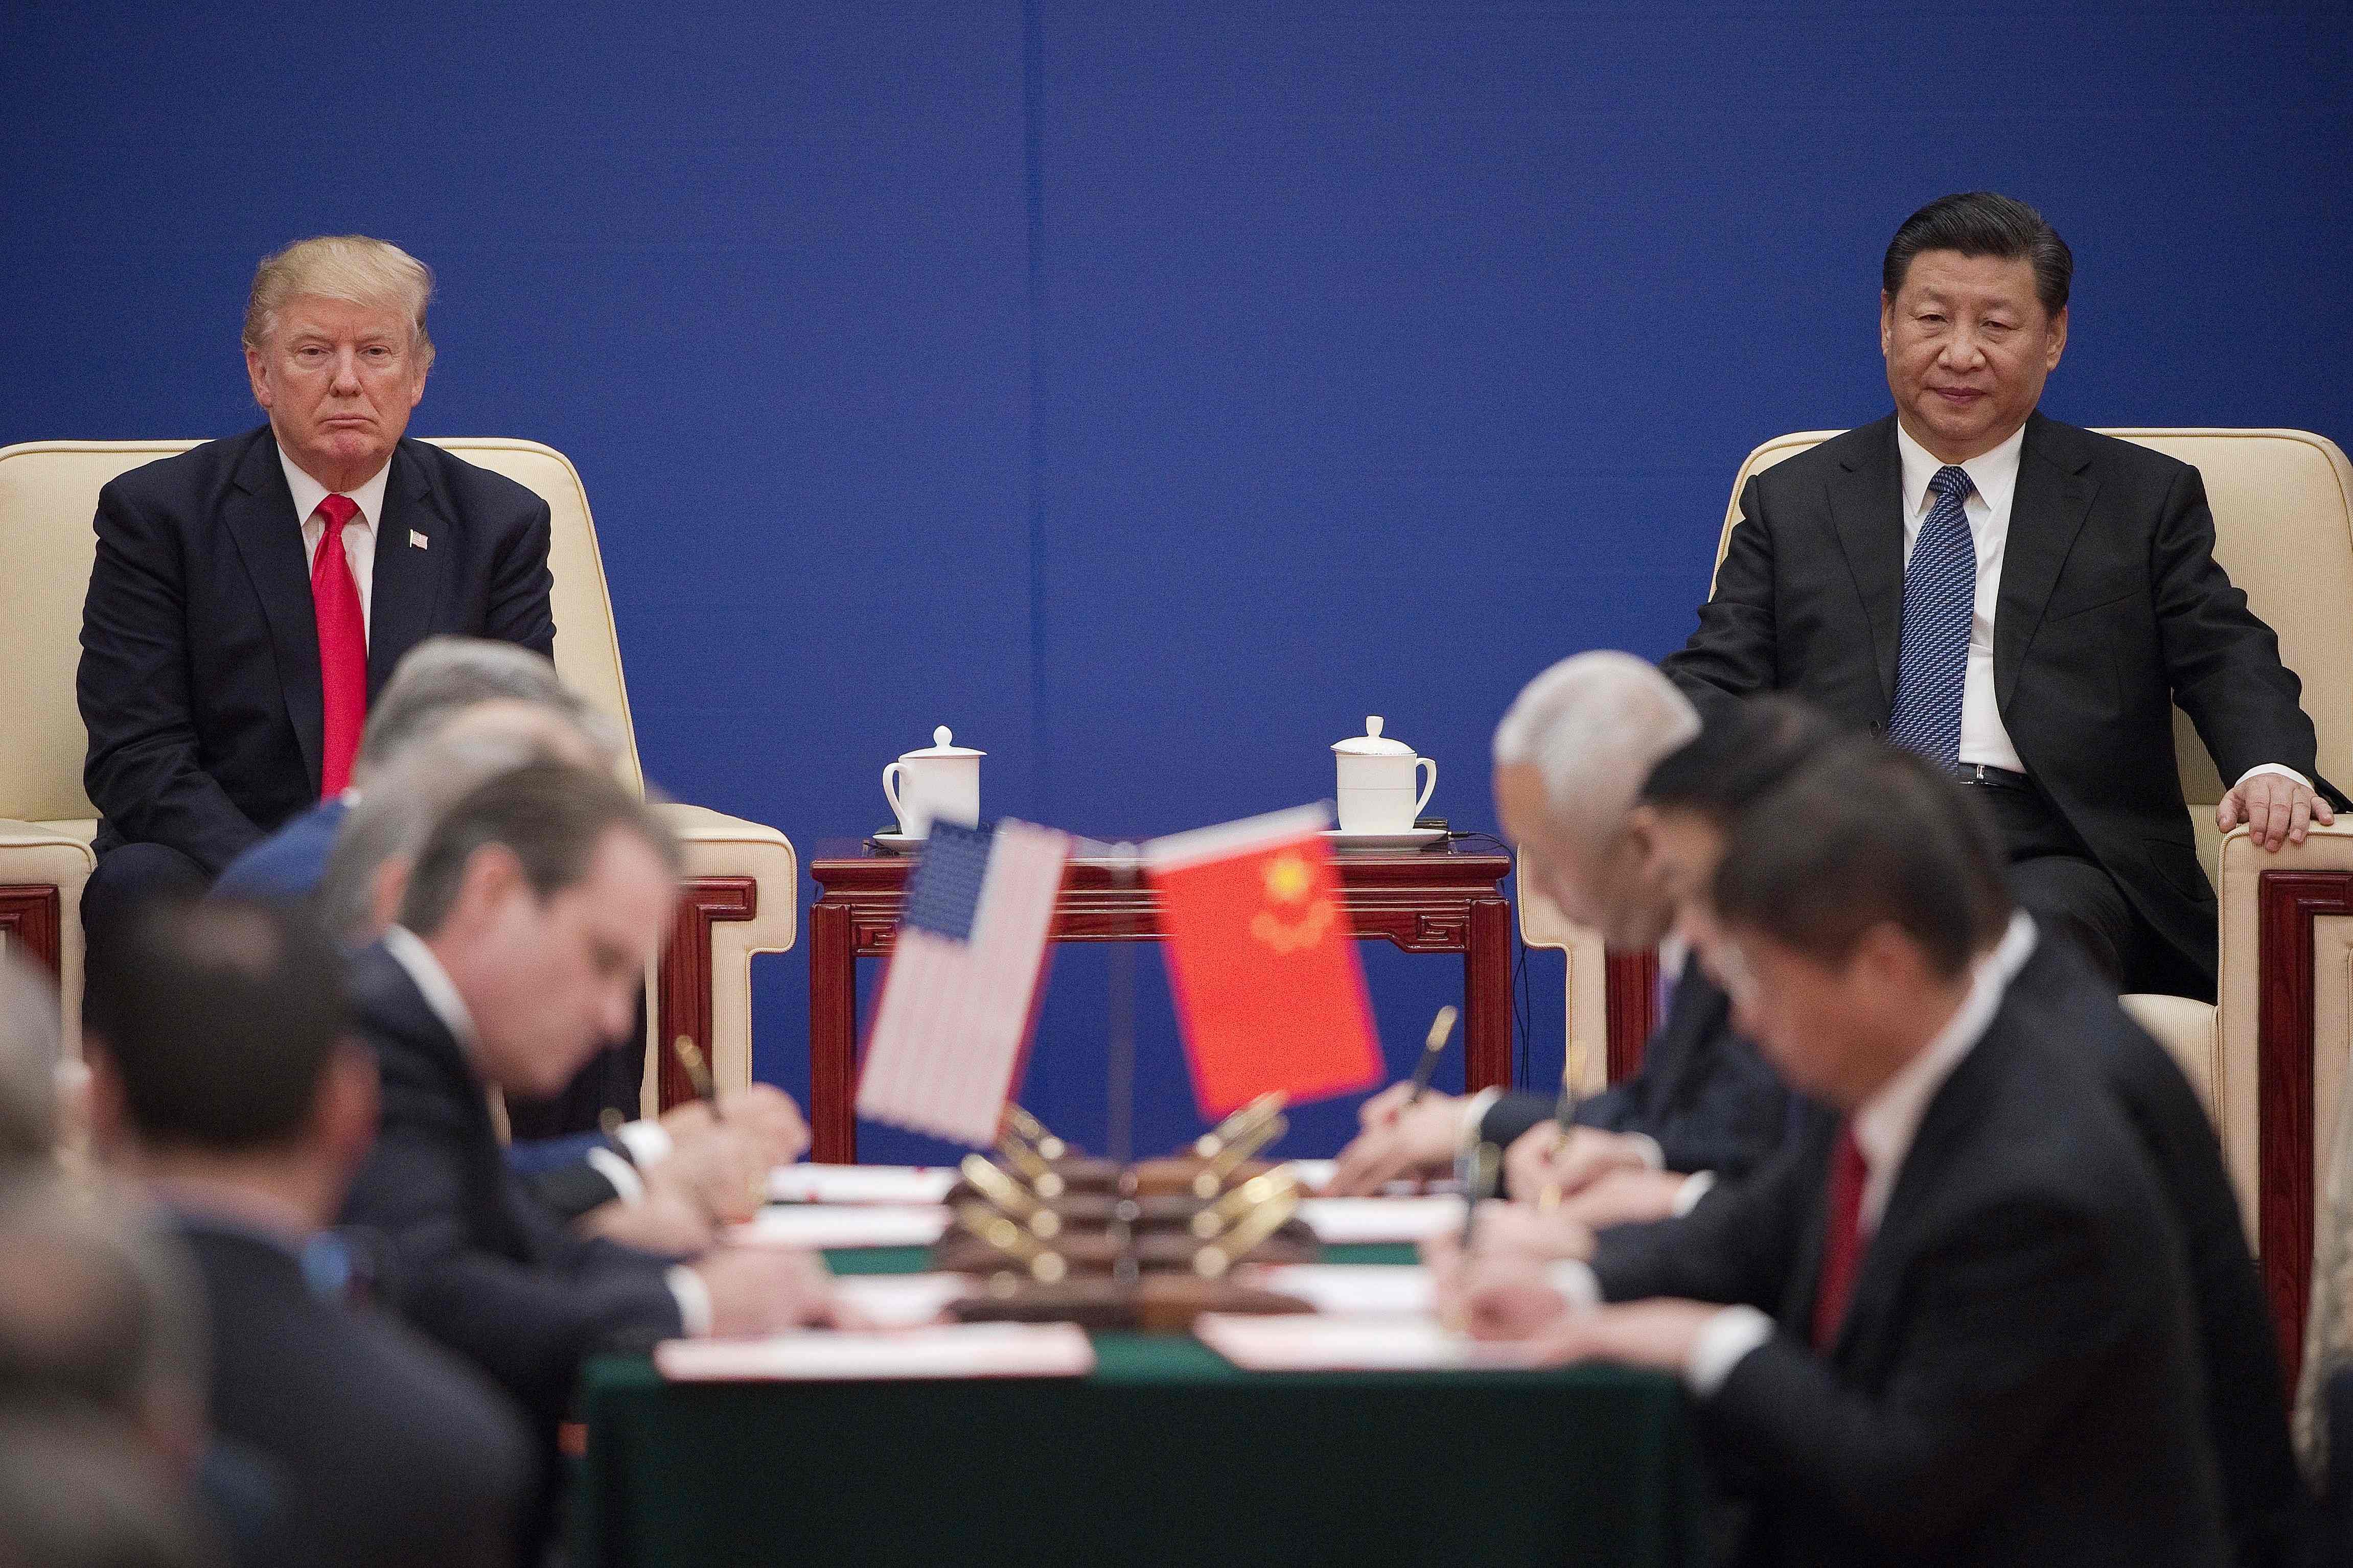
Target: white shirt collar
point(1994, 473)
point(440, 993)
point(309, 492)
point(1885, 1123)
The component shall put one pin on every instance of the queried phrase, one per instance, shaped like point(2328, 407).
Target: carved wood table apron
point(1423, 901)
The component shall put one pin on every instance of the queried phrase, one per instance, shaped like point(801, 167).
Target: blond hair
point(347, 267)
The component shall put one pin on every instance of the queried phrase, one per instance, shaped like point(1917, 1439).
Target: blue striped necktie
point(1940, 595)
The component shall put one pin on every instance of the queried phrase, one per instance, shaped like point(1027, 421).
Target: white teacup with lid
point(1377, 781)
point(941, 783)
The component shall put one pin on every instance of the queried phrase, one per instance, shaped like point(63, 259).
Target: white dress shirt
point(440, 993)
point(359, 534)
point(1994, 480)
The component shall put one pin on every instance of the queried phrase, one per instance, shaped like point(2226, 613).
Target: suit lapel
point(408, 574)
point(259, 514)
point(2046, 513)
point(1952, 1115)
point(1866, 497)
point(1692, 1017)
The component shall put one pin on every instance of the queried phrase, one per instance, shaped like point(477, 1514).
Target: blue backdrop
point(1151, 391)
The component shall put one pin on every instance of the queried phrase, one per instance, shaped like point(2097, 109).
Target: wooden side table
point(1442, 899)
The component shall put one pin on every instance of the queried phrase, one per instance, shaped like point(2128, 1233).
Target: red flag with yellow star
point(1261, 962)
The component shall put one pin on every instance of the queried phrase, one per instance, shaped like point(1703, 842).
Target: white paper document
point(1360, 1289)
point(1314, 1176)
point(845, 1224)
point(859, 1183)
point(1391, 1344)
point(964, 1350)
point(1342, 1222)
point(901, 1300)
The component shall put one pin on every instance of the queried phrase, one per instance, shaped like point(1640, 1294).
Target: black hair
point(1982, 222)
point(1867, 835)
point(1740, 754)
point(219, 1018)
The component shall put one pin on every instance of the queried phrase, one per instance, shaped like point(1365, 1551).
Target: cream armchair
point(2270, 1056)
point(741, 887)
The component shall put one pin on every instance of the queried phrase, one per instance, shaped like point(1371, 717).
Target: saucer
point(1411, 838)
point(896, 843)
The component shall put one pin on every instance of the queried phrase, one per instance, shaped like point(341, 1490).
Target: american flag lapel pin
point(417, 540)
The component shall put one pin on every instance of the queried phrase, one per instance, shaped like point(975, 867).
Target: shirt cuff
point(1696, 1185)
point(1724, 1343)
point(628, 1185)
point(1648, 1147)
point(1475, 1111)
point(648, 1143)
point(694, 1300)
point(2280, 768)
point(1577, 1283)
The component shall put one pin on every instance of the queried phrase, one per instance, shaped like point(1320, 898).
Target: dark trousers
point(2054, 879)
point(127, 876)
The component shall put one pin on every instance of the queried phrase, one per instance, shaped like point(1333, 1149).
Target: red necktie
point(1843, 1242)
point(342, 648)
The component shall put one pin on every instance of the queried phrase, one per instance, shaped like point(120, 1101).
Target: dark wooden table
point(1439, 899)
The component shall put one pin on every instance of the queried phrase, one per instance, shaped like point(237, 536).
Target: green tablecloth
point(1166, 1454)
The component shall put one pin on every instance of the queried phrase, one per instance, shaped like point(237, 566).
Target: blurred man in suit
point(534, 907)
point(1694, 810)
point(1950, 1323)
point(661, 1185)
point(2020, 601)
point(1570, 756)
point(250, 597)
point(223, 1062)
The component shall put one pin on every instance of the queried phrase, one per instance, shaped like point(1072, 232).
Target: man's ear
point(1886, 323)
point(343, 1112)
point(2054, 341)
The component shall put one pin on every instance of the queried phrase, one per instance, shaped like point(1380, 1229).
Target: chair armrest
point(741, 895)
point(2277, 1091)
point(43, 870)
point(1542, 924)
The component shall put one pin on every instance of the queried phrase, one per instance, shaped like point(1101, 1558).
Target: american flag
point(957, 999)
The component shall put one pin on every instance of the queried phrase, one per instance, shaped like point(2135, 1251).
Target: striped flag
point(966, 970)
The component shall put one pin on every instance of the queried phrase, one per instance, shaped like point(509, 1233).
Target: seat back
point(2283, 504)
point(48, 494)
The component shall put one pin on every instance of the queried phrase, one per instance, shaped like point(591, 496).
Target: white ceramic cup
point(940, 782)
point(1376, 784)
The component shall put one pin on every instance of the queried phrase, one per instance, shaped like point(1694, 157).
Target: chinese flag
point(1264, 972)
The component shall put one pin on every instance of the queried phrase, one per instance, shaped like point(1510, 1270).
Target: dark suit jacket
point(2112, 611)
point(2016, 1380)
point(389, 1452)
point(199, 680)
point(2246, 1401)
point(476, 1261)
point(1703, 1091)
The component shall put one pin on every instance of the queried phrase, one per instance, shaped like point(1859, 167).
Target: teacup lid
point(943, 745)
point(1372, 743)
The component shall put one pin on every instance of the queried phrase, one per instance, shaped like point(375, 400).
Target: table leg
point(833, 1037)
point(1487, 996)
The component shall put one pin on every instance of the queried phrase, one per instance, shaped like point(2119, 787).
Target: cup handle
point(891, 793)
point(1426, 789)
